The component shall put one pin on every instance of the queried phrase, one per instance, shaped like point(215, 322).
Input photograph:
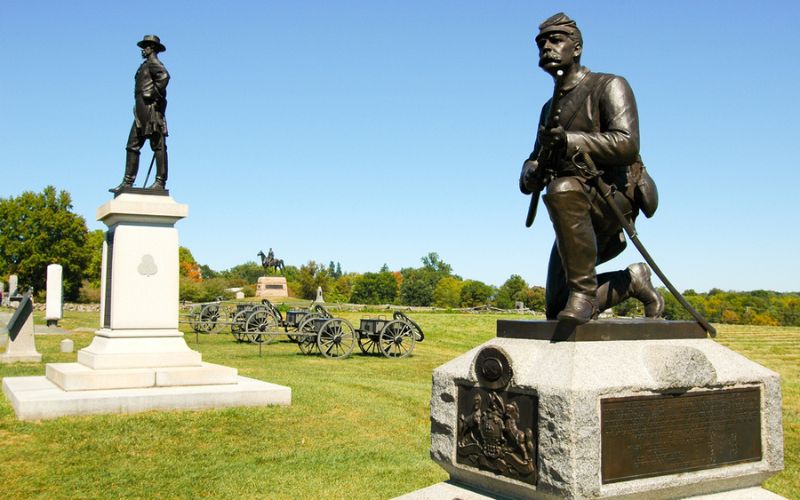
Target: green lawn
point(357, 428)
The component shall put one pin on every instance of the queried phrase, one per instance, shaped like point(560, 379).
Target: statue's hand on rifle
point(552, 138)
point(530, 179)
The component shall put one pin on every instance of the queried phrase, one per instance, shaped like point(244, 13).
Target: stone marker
point(67, 345)
point(319, 298)
point(3, 297)
point(21, 347)
point(54, 308)
point(239, 295)
point(12, 285)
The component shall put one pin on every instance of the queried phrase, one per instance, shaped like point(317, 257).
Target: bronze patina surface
point(643, 329)
point(497, 432)
point(656, 435)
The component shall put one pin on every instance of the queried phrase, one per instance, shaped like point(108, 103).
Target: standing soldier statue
point(150, 95)
point(588, 137)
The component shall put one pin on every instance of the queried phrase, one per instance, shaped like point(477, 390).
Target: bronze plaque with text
point(656, 435)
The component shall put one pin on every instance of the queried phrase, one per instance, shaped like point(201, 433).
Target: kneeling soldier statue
point(150, 93)
point(589, 130)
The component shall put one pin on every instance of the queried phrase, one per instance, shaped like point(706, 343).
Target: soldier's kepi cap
point(560, 23)
point(152, 40)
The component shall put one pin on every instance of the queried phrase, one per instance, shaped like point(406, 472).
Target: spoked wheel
point(208, 318)
point(261, 327)
point(336, 338)
point(194, 318)
point(368, 344)
point(307, 335)
point(238, 325)
point(418, 335)
point(397, 339)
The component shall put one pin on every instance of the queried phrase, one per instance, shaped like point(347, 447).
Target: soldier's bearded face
point(556, 50)
point(146, 51)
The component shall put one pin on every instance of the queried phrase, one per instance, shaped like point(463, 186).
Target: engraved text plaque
point(655, 435)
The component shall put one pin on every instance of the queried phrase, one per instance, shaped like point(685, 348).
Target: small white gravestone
point(67, 345)
point(319, 295)
point(12, 285)
point(21, 346)
point(54, 309)
point(239, 295)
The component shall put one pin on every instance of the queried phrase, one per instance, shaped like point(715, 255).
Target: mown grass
point(357, 428)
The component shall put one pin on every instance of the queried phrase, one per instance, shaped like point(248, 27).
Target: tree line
point(37, 229)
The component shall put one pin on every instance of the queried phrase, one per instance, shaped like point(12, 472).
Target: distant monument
point(271, 287)
point(54, 309)
point(21, 347)
point(319, 298)
point(138, 359)
point(575, 407)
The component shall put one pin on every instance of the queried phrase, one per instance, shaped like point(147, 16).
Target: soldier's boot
point(569, 211)
point(617, 286)
point(643, 290)
point(131, 169)
point(161, 170)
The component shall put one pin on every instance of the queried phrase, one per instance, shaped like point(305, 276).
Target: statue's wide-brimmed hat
point(152, 40)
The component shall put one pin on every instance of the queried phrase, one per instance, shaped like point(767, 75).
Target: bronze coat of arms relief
point(497, 428)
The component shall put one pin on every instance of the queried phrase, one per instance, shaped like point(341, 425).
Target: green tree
point(475, 293)
point(418, 286)
point(374, 288)
point(94, 241)
point(249, 272)
point(311, 277)
point(448, 292)
point(514, 290)
point(38, 229)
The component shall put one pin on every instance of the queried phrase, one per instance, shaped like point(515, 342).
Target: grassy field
point(357, 428)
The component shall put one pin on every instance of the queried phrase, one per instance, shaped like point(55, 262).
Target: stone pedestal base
point(37, 398)
point(272, 287)
point(670, 415)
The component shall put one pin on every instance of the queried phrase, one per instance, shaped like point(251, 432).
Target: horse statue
point(269, 261)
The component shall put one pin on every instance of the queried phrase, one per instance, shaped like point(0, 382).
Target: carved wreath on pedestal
point(496, 428)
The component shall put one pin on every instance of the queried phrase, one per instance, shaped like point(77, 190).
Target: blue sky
point(371, 132)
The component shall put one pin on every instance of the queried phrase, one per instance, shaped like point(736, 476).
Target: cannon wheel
point(368, 344)
point(194, 318)
point(238, 325)
point(397, 339)
point(418, 335)
point(209, 315)
point(307, 338)
point(336, 338)
point(260, 327)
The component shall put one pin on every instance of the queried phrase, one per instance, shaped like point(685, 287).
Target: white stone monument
point(54, 305)
point(633, 409)
point(138, 359)
point(319, 298)
point(3, 295)
point(21, 347)
point(12, 285)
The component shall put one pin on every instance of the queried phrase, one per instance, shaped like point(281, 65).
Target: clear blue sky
point(372, 132)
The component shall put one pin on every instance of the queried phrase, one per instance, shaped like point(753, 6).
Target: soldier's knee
point(564, 184)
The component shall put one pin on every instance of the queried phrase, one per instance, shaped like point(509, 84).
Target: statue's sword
point(607, 192)
point(147, 177)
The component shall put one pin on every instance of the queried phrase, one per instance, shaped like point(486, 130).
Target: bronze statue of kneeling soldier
point(149, 122)
point(588, 134)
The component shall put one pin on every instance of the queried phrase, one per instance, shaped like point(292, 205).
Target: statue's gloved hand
point(529, 179)
point(552, 138)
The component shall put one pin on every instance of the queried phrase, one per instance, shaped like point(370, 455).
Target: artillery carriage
point(393, 338)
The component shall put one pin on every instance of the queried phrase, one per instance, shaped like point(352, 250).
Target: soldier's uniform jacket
point(150, 93)
point(600, 117)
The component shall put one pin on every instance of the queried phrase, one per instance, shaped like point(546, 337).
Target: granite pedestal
point(138, 359)
point(611, 409)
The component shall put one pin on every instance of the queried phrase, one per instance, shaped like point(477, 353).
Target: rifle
point(546, 156)
point(607, 192)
